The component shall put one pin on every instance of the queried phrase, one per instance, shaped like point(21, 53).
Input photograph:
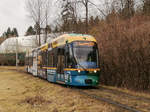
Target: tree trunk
point(87, 17)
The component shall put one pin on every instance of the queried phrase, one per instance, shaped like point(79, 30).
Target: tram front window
point(86, 54)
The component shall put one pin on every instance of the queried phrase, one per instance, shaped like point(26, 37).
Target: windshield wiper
point(80, 65)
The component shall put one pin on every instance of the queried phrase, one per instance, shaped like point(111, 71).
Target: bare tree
point(69, 15)
point(86, 4)
point(71, 8)
point(47, 13)
point(124, 7)
point(146, 7)
point(34, 8)
point(39, 11)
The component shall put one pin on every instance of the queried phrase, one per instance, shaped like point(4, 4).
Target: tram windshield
point(86, 54)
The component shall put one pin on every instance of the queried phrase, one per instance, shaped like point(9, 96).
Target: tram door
point(60, 66)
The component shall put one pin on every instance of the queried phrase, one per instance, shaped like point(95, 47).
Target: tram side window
point(44, 58)
point(40, 59)
point(50, 59)
point(55, 59)
point(68, 60)
point(61, 60)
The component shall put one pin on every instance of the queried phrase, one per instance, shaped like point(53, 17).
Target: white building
point(25, 43)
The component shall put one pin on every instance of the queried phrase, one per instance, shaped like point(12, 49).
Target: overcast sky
point(13, 14)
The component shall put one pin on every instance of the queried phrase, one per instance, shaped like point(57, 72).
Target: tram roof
point(68, 38)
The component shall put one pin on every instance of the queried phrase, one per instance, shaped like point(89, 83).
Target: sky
point(13, 14)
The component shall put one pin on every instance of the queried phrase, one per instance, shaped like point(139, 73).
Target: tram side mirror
point(67, 42)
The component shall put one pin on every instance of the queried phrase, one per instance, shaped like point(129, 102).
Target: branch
point(97, 8)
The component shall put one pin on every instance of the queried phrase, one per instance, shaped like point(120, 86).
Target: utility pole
point(17, 53)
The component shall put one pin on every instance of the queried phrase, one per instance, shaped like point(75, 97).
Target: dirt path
point(20, 92)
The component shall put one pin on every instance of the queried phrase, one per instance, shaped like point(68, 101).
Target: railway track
point(145, 99)
point(109, 101)
point(119, 99)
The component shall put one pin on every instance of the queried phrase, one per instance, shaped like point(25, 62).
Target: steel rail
point(123, 106)
point(125, 94)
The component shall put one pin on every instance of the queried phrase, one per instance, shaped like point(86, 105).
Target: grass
point(21, 92)
point(145, 94)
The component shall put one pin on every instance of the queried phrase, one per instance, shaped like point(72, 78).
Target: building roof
point(25, 43)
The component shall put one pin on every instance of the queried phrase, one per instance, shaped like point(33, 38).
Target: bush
point(10, 59)
point(124, 51)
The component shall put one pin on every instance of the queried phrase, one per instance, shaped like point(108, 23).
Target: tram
point(70, 59)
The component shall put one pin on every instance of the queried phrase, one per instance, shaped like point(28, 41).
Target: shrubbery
point(10, 59)
point(124, 51)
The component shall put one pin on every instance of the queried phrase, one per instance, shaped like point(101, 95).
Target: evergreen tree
point(48, 29)
point(15, 32)
point(128, 9)
point(56, 29)
point(80, 26)
point(30, 31)
point(96, 20)
point(9, 30)
point(8, 33)
point(4, 35)
point(146, 7)
point(91, 21)
point(12, 33)
point(37, 28)
point(69, 16)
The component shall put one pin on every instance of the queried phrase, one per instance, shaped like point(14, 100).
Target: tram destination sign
point(88, 44)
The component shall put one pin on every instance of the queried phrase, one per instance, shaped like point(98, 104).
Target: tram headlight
point(79, 71)
point(95, 71)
